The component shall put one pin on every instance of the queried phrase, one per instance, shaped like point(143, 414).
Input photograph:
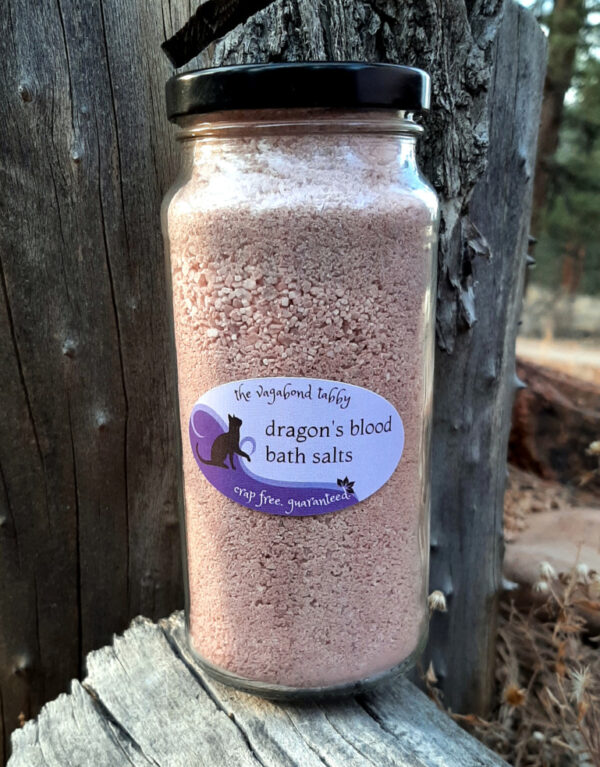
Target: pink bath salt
point(311, 256)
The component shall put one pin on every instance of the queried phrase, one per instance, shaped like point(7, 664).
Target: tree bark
point(566, 22)
point(482, 91)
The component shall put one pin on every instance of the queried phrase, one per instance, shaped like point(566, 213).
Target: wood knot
point(22, 665)
point(69, 347)
point(25, 92)
point(101, 418)
point(490, 373)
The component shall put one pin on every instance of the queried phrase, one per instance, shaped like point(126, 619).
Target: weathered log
point(145, 702)
point(555, 420)
point(484, 95)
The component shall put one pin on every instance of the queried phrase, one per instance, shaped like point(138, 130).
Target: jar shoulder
point(199, 192)
point(259, 173)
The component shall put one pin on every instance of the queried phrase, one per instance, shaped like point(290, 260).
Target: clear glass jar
point(301, 256)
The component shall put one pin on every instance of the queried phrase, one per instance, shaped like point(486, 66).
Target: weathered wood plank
point(394, 721)
point(160, 702)
point(88, 475)
point(289, 735)
point(145, 701)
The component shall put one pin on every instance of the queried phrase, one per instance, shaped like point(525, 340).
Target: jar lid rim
point(291, 85)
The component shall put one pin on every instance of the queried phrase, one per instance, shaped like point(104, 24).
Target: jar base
point(303, 694)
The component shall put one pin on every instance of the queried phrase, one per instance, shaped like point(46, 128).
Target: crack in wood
point(117, 329)
point(209, 693)
point(77, 546)
point(122, 731)
point(370, 711)
point(321, 759)
point(60, 229)
point(13, 336)
point(64, 36)
point(11, 515)
point(349, 742)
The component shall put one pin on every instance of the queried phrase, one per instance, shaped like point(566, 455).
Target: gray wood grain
point(487, 60)
point(75, 727)
point(88, 475)
point(146, 702)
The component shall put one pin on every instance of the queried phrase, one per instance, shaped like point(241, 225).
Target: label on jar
point(295, 446)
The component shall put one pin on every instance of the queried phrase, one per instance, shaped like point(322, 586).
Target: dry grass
point(548, 673)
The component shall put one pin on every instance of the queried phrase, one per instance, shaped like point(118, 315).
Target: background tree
point(567, 177)
point(569, 249)
point(565, 22)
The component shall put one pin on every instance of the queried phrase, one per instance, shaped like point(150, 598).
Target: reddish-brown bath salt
point(306, 254)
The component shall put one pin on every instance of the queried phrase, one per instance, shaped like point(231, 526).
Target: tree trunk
point(566, 22)
point(482, 92)
point(476, 383)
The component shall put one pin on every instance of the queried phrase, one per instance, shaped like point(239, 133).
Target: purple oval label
point(295, 446)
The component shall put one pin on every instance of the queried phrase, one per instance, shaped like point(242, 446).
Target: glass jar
point(300, 239)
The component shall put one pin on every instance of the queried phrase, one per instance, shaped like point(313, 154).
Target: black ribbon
point(212, 20)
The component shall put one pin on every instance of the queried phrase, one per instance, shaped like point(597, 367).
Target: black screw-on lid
point(285, 86)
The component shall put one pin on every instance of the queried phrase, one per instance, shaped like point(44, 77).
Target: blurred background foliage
point(566, 205)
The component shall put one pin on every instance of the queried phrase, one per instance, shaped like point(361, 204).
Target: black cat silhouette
point(227, 444)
